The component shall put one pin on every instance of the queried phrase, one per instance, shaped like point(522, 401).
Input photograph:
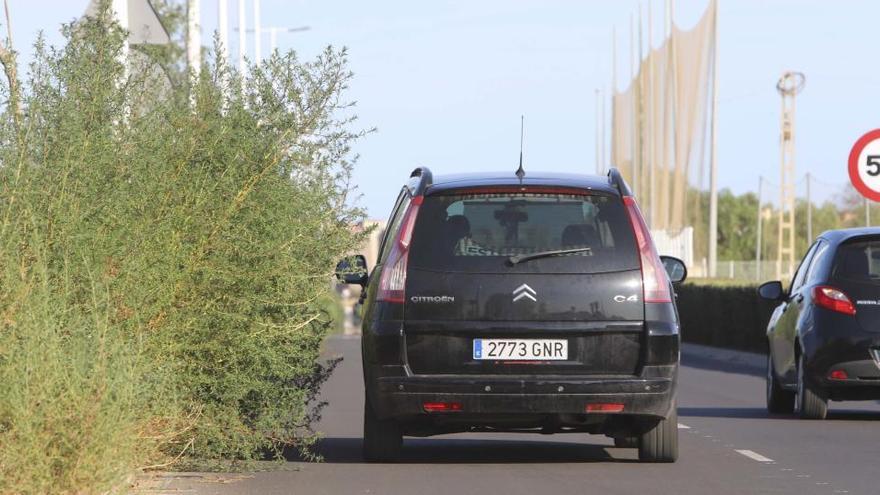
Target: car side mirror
point(772, 291)
point(675, 269)
point(352, 270)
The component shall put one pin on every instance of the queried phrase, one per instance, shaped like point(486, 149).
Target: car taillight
point(838, 375)
point(612, 407)
point(442, 406)
point(834, 299)
point(393, 280)
point(654, 279)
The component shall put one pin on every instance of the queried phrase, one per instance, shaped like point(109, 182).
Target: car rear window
point(480, 231)
point(859, 261)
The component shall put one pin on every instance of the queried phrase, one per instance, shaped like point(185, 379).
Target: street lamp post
point(258, 35)
point(274, 30)
point(273, 33)
point(760, 230)
point(242, 39)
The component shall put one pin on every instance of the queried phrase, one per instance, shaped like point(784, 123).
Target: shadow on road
point(727, 412)
point(694, 360)
point(853, 415)
point(346, 450)
point(761, 413)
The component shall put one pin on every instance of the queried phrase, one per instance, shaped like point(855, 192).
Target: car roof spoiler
point(617, 182)
point(420, 180)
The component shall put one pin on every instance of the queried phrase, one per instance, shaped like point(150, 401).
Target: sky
point(446, 81)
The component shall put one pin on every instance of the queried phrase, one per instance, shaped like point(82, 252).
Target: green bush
point(165, 257)
point(723, 316)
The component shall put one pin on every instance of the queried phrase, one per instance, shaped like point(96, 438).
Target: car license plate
point(521, 349)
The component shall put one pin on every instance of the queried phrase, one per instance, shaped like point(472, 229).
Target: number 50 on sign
point(864, 165)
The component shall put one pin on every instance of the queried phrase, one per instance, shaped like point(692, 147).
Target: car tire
point(383, 438)
point(809, 402)
point(660, 443)
point(779, 400)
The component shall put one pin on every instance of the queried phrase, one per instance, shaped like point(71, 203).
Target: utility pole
point(258, 34)
point(614, 137)
point(273, 39)
point(273, 34)
point(640, 111)
point(596, 119)
point(634, 124)
point(613, 61)
point(809, 213)
point(119, 9)
point(193, 36)
point(669, 104)
point(242, 37)
point(223, 28)
point(674, 189)
point(789, 85)
point(652, 141)
point(223, 34)
point(603, 137)
point(760, 231)
point(193, 46)
point(713, 165)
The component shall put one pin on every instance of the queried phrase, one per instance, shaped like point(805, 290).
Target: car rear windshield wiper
point(513, 260)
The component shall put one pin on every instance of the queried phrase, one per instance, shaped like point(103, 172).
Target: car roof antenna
point(520, 173)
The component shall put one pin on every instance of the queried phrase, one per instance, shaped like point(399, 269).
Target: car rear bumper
point(846, 349)
point(862, 380)
point(649, 394)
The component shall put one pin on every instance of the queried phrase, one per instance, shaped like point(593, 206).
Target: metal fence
point(675, 243)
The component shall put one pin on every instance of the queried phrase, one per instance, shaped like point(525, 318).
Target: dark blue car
point(824, 337)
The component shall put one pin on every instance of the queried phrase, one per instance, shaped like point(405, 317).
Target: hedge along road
point(728, 445)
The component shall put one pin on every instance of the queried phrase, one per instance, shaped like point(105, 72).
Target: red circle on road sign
point(854, 156)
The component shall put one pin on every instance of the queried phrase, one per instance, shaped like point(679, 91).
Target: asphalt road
point(728, 445)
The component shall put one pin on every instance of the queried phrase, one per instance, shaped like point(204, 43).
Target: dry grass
point(163, 268)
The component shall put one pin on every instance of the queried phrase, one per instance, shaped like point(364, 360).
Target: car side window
point(394, 224)
point(813, 271)
point(801, 272)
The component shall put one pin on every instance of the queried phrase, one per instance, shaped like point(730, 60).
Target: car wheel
point(626, 442)
point(660, 443)
point(809, 403)
point(383, 438)
point(779, 400)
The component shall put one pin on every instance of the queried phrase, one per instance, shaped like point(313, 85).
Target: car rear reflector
point(833, 299)
point(654, 278)
point(838, 375)
point(393, 281)
point(441, 406)
point(604, 407)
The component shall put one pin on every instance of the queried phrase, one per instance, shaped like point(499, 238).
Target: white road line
point(683, 427)
point(751, 454)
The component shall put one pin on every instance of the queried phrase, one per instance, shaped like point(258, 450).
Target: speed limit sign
point(864, 165)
